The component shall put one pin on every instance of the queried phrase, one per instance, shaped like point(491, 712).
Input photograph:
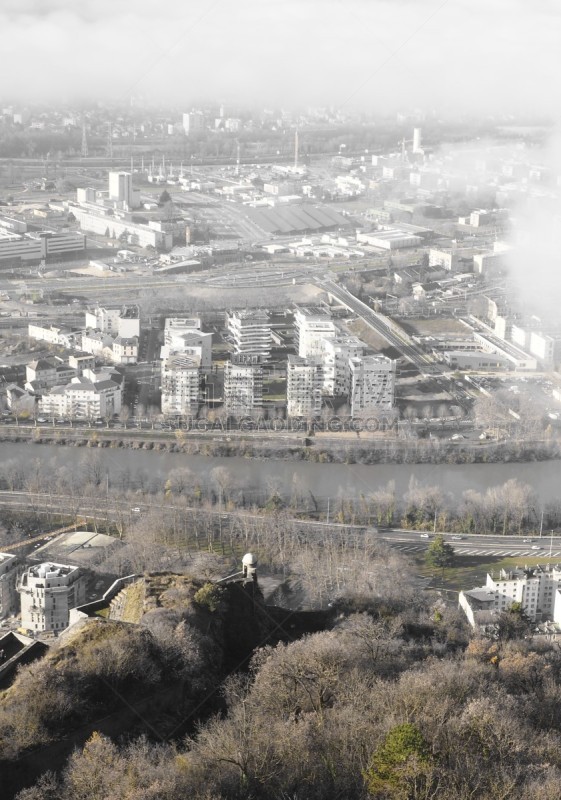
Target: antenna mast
point(110, 141)
point(84, 138)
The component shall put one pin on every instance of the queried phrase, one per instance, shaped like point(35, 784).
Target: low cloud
point(380, 55)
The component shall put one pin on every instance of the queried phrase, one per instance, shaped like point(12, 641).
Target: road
point(395, 336)
point(406, 541)
point(478, 544)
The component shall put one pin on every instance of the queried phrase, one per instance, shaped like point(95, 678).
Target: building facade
point(47, 593)
point(83, 398)
point(181, 384)
point(313, 324)
point(243, 388)
point(8, 593)
point(372, 384)
point(338, 352)
point(251, 335)
point(537, 589)
point(304, 379)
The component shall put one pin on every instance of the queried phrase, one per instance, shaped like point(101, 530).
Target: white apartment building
point(51, 334)
point(337, 354)
point(193, 122)
point(181, 384)
point(251, 335)
point(243, 388)
point(8, 575)
point(182, 335)
point(304, 381)
point(116, 320)
point(104, 320)
point(372, 384)
point(96, 343)
point(83, 398)
point(313, 325)
point(537, 589)
point(47, 593)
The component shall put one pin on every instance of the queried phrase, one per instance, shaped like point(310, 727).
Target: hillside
point(161, 660)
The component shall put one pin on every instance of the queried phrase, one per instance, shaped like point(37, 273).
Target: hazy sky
point(475, 55)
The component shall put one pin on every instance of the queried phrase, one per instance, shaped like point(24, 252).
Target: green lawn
point(471, 571)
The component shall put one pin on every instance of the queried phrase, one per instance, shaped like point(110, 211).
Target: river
point(150, 470)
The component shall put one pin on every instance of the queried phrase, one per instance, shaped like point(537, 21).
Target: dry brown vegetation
point(386, 704)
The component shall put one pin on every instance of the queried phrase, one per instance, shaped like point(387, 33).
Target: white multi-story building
point(313, 326)
point(41, 372)
point(96, 343)
point(81, 362)
point(543, 347)
point(47, 593)
point(183, 335)
point(243, 388)
point(124, 350)
point(251, 334)
point(116, 321)
point(83, 398)
point(120, 189)
point(193, 122)
point(84, 195)
point(372, 384)
point(337, 354)
point(181, 384)
point(103, 319)
point(8, 574)
point(39, 245)
point(303, 387)
point(537, 589)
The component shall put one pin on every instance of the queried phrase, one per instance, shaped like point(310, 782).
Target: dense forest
point(393, 699)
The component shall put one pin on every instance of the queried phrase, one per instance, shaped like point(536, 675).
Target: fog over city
point(452, 56)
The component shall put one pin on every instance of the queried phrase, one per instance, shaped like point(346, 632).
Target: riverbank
point(319, 448)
